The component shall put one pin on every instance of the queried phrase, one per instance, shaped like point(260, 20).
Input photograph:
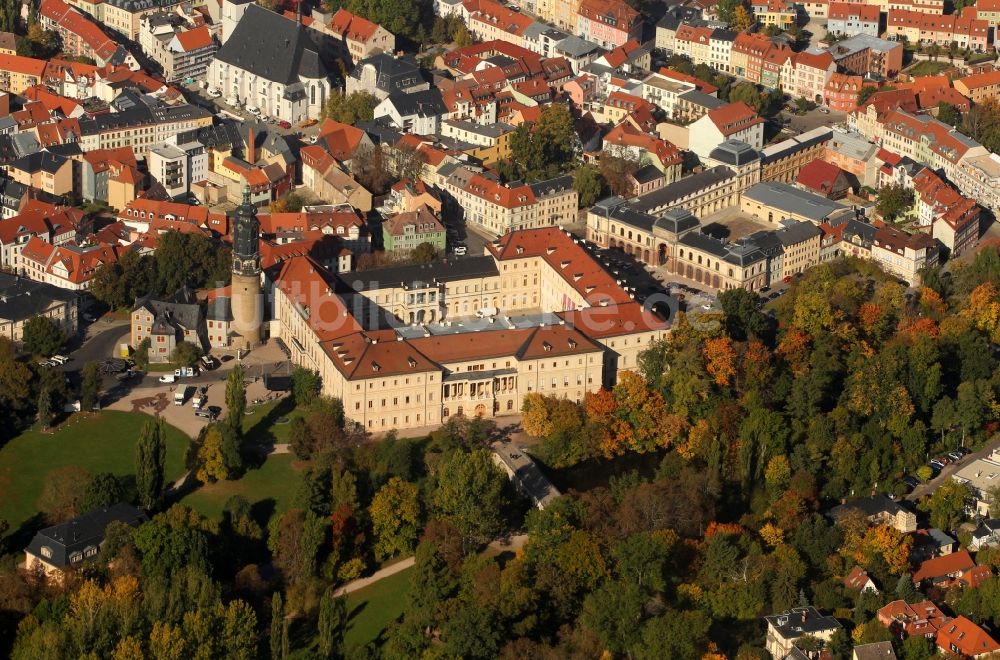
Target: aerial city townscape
point(445, 329)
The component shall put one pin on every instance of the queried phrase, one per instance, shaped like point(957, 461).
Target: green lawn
point(269, 489)
point(370, 610)
point(929, 67)
point(104, 442)
point(269, 423)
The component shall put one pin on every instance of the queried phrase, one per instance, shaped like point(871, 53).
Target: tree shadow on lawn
point(19, 538)
point(263, 510)
point(259, 439)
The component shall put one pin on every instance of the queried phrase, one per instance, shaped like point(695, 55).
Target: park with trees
point(694, 498)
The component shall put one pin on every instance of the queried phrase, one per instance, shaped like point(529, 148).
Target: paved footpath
point(516, 543)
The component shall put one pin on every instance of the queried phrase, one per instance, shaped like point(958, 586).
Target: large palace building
point(412, 346)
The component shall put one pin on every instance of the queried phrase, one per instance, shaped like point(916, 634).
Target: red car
point(284, 124)
point(787, 279)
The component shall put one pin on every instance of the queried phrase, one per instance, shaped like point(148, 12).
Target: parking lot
point(221, 105)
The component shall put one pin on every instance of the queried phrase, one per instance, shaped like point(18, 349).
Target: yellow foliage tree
point(535, 415)
point(772, 535)
point(741, 19)
point(211, 461)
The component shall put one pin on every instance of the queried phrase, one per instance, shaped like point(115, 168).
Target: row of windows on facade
point(74, 557)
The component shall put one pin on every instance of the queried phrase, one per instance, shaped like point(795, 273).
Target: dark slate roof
point(699, 97)
point(380, 131)
point(801, 621)
point(392, 73)
point(68, 150)
point(219, 309)
point(869, 506)
point(741, 253)
point(987, 528)
point(225, 133)
point(767, 241)
point(688, 185)
point(721, 34)
point(647, 173)
point(734, 152)
point(21, 298)
point(8, 153)
point(550, 186)
point(616, 208)
point(677, 220)
point(272, 47)
point(136, 6)
point(793, 234)
point(427, 103)
point(453, 269)
point(180, 309)
point(81, 533)
point(43, 161)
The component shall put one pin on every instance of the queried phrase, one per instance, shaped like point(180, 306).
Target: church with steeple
point(246, 300)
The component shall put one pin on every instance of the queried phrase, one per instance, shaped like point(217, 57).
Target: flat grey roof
point(792, 200)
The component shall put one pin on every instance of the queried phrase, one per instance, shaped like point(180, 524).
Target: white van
point(254, 110)
point(168, 378)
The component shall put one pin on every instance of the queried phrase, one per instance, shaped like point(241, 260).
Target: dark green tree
point(90, 389)
point(305, 386)
point(893, 201)
point(614, 614)
point(424, 253)
point(948, 113)
point(236, 398)
point(588, 184)
point(330, 629)
point(43, 336)
point(150, 460)
point(350, 108)
point(471, 495)
point(546, 148)
point(277, 626)
point(185, 354)
point(103, 490)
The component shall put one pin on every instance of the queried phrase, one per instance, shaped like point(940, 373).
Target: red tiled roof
point(856, 579)
point(565, 257)
point(352, 27)
point(340, 140)
point(843, 10)
point(939, 567)
point(194, 39)
point(819, 175)
point(612, 13)
point(734, 117)
point(970, 640)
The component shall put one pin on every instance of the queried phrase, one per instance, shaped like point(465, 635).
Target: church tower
point(247, 302)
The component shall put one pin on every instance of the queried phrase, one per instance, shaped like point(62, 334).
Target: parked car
point(89, 318)
point(168, 378)
point(460, 250)
point(943, 460)
point(936, 465)
point(284, 124)
point(911, 481)
point(214, 93)
point(786, 279)
point(964, 451)
point(253, 110)
point(825, 111)
point(955, 456)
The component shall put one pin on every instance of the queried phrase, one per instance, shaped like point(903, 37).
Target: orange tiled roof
point(194, 39)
